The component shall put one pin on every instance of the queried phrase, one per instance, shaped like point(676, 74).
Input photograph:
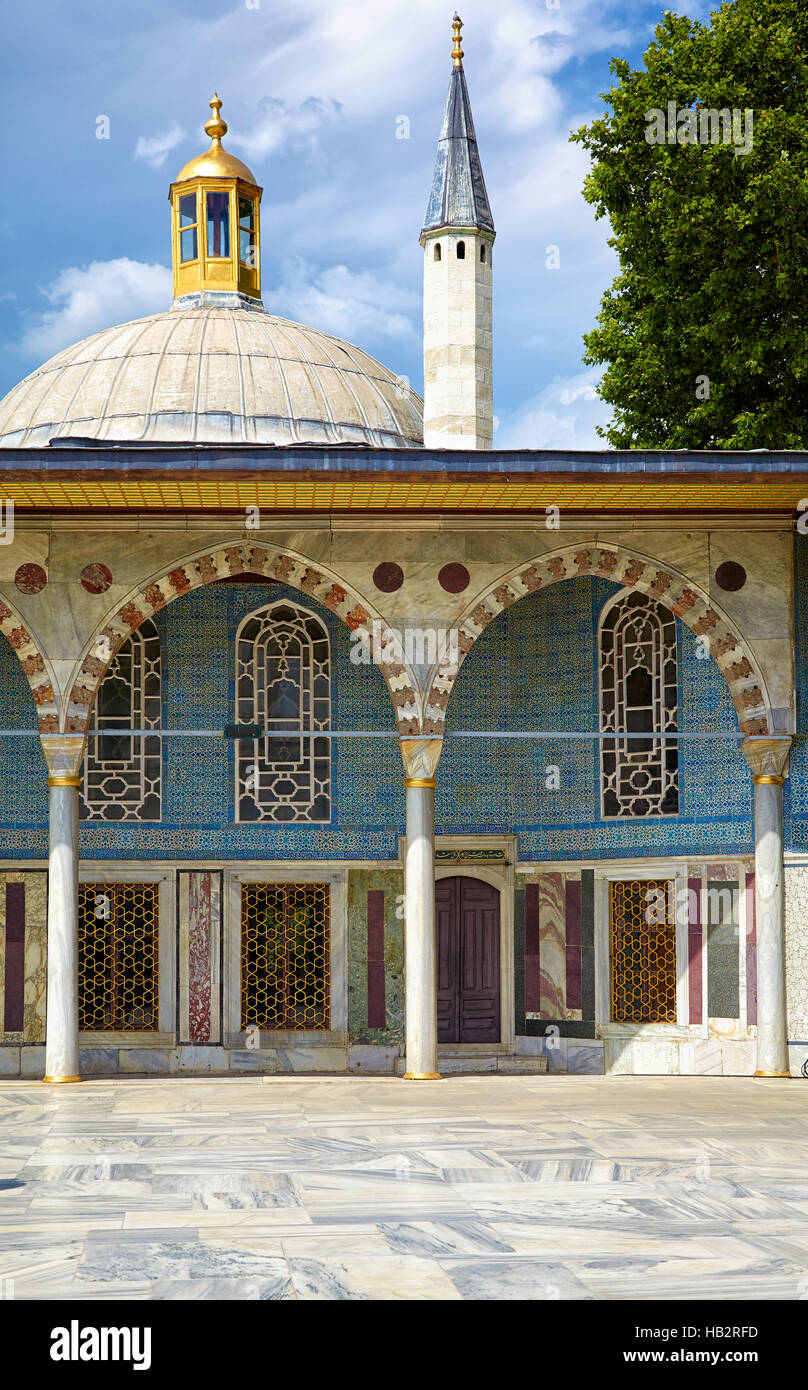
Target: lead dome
point(207, 374)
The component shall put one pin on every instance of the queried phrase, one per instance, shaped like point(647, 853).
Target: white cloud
point(156, 149)
point(280, 126)
point(86, 299)
point(564, 415)
point(361, 307)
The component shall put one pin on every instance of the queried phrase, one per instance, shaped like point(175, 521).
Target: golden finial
point(216, 127)
point(457, 52)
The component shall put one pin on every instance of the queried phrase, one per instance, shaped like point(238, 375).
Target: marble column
point(64, 755)
point(768, 759)
point(420, 763)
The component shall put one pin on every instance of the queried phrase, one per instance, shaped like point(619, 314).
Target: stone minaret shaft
point(458, 238)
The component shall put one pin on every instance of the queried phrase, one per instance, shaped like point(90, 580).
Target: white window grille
point(283, 685)
point(638, 696)
point(121, 771)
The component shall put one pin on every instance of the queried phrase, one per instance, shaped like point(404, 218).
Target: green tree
point(712, 244)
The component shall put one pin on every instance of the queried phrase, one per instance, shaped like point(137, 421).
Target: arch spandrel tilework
point(685, 600)
point(225, 563)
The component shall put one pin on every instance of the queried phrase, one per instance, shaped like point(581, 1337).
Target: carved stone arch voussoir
point(35, 665)
point(223, 563)
point(727, 647)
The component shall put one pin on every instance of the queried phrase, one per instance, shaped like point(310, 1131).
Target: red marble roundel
point(730, 576)
point(30, 579)
point(454, 578)
point(388, 577)
point(96, 578)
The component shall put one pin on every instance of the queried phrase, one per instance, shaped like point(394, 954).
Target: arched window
point(638, 696)
point(283, 686)
point(461, 250)
point(121, 770)
point(482, 253)
point(437, 251)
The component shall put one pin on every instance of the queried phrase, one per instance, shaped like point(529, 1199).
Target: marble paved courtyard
point(476, 1187)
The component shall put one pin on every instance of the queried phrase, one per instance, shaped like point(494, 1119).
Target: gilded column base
point(773, 1073)
point(58, 1080)
point(422, 1076)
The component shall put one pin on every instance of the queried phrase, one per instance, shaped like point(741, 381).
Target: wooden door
point(468, 961)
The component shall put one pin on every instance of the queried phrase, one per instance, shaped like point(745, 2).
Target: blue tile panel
point(534, 668)
point(795, 803)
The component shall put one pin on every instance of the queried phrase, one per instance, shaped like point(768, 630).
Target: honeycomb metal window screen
point(121, 779)
point(283, 684)
point(118, 957)
point(286, 955)
point(643, 950)
point(638, 694)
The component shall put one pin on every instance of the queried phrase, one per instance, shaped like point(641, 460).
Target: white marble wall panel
point(796, 888)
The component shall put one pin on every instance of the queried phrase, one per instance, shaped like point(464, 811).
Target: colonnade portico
point(64, 754)
point(420, 698)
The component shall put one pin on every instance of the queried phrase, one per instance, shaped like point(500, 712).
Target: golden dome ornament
point(457, 52)
point(216, 162)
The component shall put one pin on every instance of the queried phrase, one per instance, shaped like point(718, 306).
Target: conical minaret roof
point(458, 197)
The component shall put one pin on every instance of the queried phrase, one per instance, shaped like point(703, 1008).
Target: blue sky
point(313, 93)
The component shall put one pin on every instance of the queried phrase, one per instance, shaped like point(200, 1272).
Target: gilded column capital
point(767, 757)
point(64, 755)
point(421, 757)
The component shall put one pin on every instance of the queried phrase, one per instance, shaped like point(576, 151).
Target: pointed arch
point(35, 665)
point(638, 691)
point(283, 686)
point(685, 599)
point(123, 775)
point(225, 562)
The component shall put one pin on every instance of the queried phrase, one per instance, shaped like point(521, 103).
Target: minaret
point(457, 238)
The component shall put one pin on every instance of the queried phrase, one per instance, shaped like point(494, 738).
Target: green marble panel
point(723, 965)
point(391, 883)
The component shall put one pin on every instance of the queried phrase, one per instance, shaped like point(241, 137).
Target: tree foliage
point(713, 245)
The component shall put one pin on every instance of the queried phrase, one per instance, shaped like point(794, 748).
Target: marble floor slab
point(478, 1187)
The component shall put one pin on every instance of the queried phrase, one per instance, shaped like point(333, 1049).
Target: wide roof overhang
point(80, 476)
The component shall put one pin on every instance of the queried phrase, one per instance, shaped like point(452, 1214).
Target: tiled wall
point(796, 787)
point(534, 668)
point(197, 635)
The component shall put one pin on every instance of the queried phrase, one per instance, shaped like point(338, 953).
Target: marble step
point(491, 1062)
